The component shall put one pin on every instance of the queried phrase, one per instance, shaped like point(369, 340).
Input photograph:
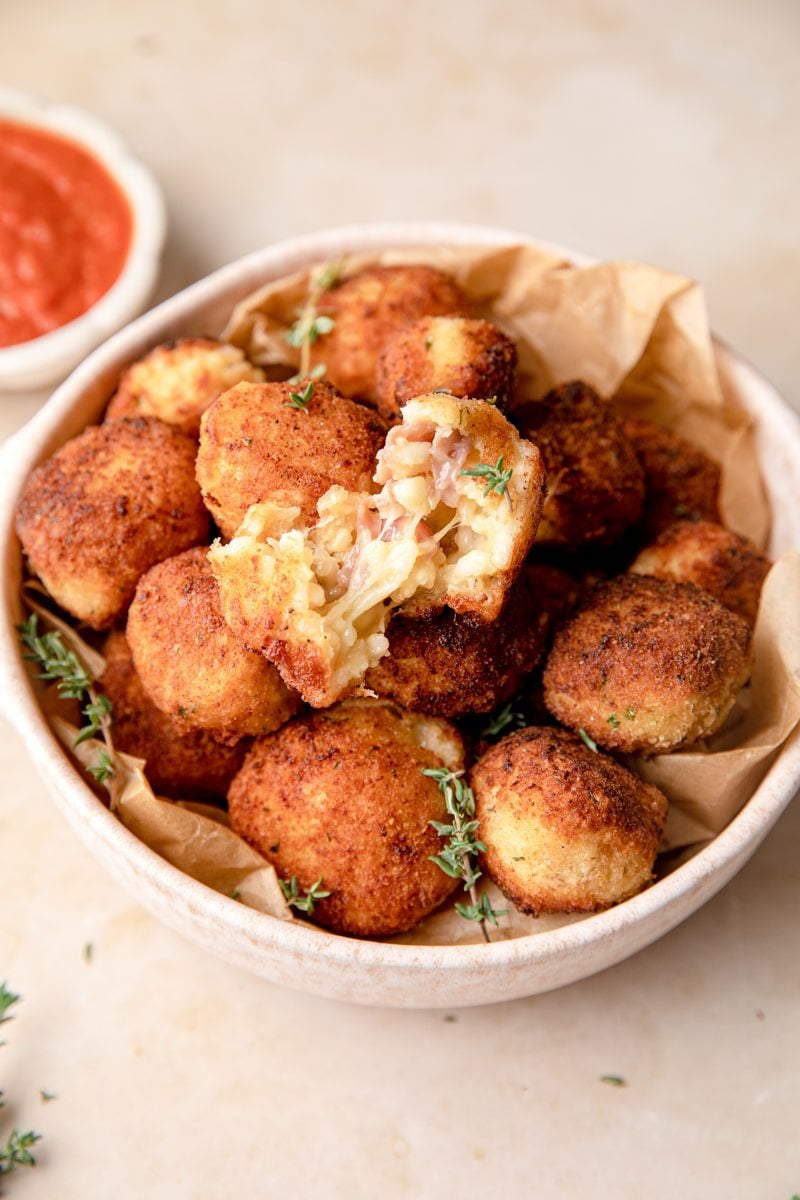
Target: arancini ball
point(340, 796)
point(681, 482)
point(566, 829)
point(106, 507)
point(192, 666)
point(595, 483)
point(189, 764)
point(257, 445)
point(176, 382)
point(461, 355)
point(713, 558)
point(647, 665)
point(367, 309)
point(446, 664)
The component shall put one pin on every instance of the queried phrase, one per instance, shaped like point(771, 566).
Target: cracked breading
point(728, 566)
point(104, 508)
point(368, 308)
point(191, 664)
point(465, 356)
point(646, 666)
point(317, 600)
point(256, 447)
point(340, 795)
point(566, 830)
point(177, 382)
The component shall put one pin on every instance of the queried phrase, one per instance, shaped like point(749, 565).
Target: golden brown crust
point(464, 356)
point(340, 795)
point(681, 482)
point(177, 381)
point(566, 829)
point(448, 664)
point(255, 447)
point(728, 566)
point(180, 762)
point(647, 665)
point(191, 664)
point(108, 505)
point(368, 308)
point(595, 484)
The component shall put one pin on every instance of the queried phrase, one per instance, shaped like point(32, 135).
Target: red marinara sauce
point(65, 231)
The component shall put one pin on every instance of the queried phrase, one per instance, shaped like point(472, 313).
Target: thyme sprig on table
point(17, 1150)
point(497, 477)
point(302, 901)
point(61, 665)
point(311, 325)
point(457, 858)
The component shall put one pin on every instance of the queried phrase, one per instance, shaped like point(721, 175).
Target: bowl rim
point(43, 358)
point(298, 938)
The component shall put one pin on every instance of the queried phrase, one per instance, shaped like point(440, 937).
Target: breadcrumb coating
point(728, 566)
point(566, 830)
point(177, 381)
point(105, 508)
point(340, 795)
point(191, 664)
point(256, 447)
point(647, 665)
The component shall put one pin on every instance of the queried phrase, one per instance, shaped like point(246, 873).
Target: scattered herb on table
point(457, 858)
point(614, 1080)
point(88, 952)
point(17, 1150)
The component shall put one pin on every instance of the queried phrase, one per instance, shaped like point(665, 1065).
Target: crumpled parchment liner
point(640, 336)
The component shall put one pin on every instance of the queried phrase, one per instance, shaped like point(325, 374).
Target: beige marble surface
point(622, 128)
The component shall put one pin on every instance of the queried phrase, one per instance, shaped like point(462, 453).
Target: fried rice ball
point(177, 382)
point(192, 666)
point(567, 830)
point(728, 566)
point(317, 599)
point(255, 446)
point(595, 483)
point(188, 764)
point(464, 356)
point(367, 309)
point(647, 665)
point(447, 664)
point(108, 505)
point(681, 482)
point(340, 796)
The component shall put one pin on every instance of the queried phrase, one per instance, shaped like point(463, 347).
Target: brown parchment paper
point(639, 335)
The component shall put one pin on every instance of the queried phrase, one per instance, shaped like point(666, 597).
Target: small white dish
point(45, 360)
point(294, 953)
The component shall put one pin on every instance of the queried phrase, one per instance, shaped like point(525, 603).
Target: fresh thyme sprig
point(503, 720)
point(496, 476)
point(17, 1150)
point(462, 845)
point(61, 665)
point(310, 326)
point(300, 400)
point(590, 743)
point(302, 901)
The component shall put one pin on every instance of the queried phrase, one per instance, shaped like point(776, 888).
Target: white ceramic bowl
point(46, 359)
point(297, 954)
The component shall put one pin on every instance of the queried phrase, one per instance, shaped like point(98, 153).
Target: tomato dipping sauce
point(65, 231)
